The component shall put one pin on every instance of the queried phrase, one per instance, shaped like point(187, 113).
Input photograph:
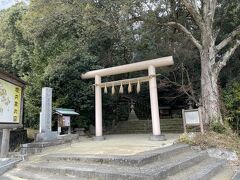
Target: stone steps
point(139, 159)
point(236, 175)
point(177, 161)
point(39, 147)
point(226, 173)
point(162, 169)
point(25, 174)
point(157, 170)
point(149, 126)
point(143, 131)
point(122, 130)
point(145, 126)
point(163, 121)
point(7, 163)
point(204, 170)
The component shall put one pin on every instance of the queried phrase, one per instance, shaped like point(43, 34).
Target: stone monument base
point(47, 136)
point(157, 137)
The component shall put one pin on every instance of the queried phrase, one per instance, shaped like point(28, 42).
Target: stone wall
point(17, 137)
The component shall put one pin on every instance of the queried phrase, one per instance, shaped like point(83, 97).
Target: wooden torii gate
point(151, 65)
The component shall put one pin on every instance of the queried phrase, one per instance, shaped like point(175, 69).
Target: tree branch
point(187, 32)
point(209, 8)
point(178, 26)
point(181, 87)
point(228, 39)
point(193, 10)
point(213, 5)
point(221, 63)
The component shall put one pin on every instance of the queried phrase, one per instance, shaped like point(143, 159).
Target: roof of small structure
point(65, 111)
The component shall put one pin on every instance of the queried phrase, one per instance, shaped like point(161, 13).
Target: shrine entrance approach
point(149, 65)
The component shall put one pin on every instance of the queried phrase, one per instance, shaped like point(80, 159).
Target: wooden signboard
point(65, 121)
point(192, 117)
point(11, 101)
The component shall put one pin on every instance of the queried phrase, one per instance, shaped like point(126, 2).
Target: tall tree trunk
point(209, 78)
point(210, 93)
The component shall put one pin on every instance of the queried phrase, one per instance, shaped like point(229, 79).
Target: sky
point(4, 4)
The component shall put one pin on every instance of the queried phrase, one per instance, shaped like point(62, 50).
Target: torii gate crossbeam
point(149, 65)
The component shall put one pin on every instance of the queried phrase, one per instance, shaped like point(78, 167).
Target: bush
point(187, 138)
point(218, 127)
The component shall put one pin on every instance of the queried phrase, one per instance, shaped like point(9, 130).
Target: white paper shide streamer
point(129, 87)
point(138, 87)
point(121, 88)
point(113, 89)
point(105, 89)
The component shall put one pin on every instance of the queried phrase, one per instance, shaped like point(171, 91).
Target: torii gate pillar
point(98, 110)
point(156, 136)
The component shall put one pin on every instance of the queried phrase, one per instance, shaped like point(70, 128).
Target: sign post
point(5, 142)
point(192, 117)
point(11, 107)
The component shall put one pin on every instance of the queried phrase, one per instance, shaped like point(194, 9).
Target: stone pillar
point(45, 131)
point(5, 143)
point(156, 136)
point(98, 110)
point(46, 113)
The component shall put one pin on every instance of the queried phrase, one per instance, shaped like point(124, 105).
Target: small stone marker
point(45, 129)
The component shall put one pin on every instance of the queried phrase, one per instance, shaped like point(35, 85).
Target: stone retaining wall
point(17, 137)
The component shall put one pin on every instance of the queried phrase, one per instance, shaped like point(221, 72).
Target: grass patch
point(211, 139)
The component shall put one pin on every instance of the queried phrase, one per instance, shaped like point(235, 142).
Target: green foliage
point(49, 49)
point(232, 96)
point(217, 127)
point(10, 37)
point(232, 102)
point(81, 121)
point(32, 102)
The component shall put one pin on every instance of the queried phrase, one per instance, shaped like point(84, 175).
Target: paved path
point(124, 144)
point(119, 144)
